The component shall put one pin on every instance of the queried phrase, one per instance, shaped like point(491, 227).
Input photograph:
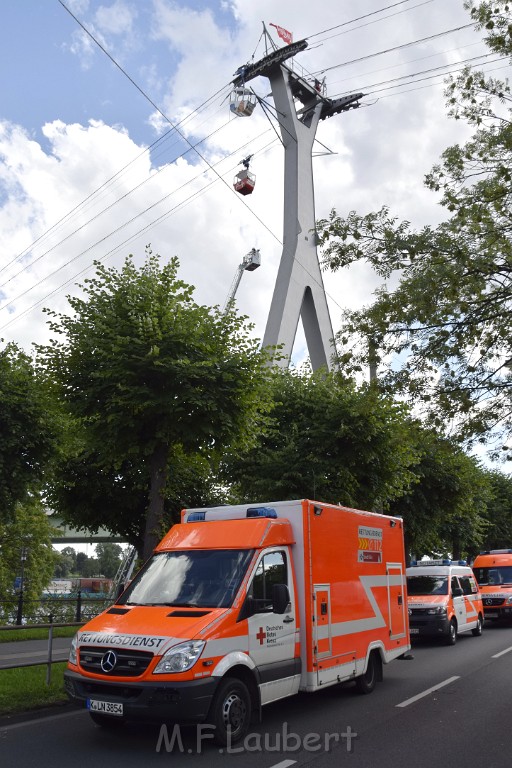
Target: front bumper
point(429, 626)
point(183, 702)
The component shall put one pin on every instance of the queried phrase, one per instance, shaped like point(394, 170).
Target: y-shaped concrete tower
point(299, 289)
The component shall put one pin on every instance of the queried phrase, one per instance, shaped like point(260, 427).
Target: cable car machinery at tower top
point(243, 100)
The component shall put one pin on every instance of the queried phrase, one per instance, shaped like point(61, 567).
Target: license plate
point(106, 707)
point(414, 630)
point(491, 614)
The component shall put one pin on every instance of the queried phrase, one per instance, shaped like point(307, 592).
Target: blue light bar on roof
point(197, 517)
point(261, 512)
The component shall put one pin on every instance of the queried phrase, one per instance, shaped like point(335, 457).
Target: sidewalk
point(20, 652)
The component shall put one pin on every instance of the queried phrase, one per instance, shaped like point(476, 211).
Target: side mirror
point(457, 592)
point(280, 598)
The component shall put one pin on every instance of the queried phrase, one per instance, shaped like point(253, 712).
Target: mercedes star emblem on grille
point(108, 661)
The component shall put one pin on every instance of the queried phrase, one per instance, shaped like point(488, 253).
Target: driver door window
point(272, 569)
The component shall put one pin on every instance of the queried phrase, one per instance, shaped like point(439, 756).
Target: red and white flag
point(283, 34)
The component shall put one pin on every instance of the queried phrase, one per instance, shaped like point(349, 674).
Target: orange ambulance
point(241, 606)
point(493, 572)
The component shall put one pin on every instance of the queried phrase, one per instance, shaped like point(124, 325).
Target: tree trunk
point(155, 513)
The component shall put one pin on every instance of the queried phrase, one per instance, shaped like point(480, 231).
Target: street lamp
point(23, 556)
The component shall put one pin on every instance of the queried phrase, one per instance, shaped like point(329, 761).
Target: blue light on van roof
point(197, 517)
point(261, 512)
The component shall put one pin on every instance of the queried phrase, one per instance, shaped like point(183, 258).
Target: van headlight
point(179, 658)
point(508, 600)
point(73, 655)
point(439, 611)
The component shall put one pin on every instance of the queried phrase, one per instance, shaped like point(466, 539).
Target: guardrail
point(59, 611)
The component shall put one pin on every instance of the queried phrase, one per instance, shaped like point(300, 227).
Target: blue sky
point(70, 120)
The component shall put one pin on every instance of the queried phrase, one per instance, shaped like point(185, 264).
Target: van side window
point(467, 585)
point(271, 570)
point(454, 583)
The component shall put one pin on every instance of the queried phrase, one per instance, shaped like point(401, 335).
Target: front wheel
point(366, 683)
point(230, 712)
point(452, 633)
point(477, 631)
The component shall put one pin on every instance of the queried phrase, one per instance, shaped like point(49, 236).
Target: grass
point(25, 688)
point(12, 635)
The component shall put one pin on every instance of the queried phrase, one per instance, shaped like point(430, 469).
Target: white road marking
point(284, 764)
point(501, 653)
point(426, 693)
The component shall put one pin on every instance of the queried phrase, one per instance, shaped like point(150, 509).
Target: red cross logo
point(261, 636)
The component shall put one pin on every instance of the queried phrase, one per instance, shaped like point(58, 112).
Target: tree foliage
point(328, 440)
point(445, 331)
point(28, 530)
point(146, 371)
point(27, 428)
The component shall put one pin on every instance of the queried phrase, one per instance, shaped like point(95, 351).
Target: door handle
point(288, 620)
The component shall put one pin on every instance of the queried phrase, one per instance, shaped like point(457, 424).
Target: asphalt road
point(27, 651)
point(449, 706)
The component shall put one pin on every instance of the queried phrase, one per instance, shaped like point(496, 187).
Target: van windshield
point(427, 585)
point(489, 577)
point(193, 578)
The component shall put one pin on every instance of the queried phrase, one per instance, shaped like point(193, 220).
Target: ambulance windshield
point(490, 577)
point(191, 578)
point(427, 585)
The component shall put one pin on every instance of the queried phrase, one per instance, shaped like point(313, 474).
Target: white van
point(443, 600)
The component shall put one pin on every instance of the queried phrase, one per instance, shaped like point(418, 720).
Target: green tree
point(65, 564)
point(498, 532)
point(146, 371)
point(328, 440)
point(446, 328)
point(445, 507)
point(91, 493)
point(27, 428)
point(27, 535)
point(108, 557)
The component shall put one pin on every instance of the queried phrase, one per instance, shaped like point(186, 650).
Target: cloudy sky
point(92, 168)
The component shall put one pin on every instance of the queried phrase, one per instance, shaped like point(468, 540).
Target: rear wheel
point(366, 683)
point(477, 631)
point(230, 712)
point(104, 721)
point(452, 633)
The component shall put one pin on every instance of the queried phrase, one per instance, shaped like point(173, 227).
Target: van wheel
point(230, 711)
point(477, 631)
point(452, 633)
point(366, 683)
point(104, 721)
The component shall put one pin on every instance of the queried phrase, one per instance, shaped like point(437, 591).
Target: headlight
point(509, 600)
point(179, 658)
point(73, 658)
point(439, 611)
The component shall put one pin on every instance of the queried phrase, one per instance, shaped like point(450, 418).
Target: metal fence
point(79, 607)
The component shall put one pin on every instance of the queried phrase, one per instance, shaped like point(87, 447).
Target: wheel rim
point(234, 712)
point(452, 631)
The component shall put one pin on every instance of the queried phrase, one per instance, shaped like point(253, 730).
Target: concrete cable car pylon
point(299, 289)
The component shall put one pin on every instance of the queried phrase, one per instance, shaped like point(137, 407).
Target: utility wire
point(359, 18)
point(391, 50)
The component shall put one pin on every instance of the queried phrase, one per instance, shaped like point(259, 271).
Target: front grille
point(418, 611)
point(494, 601)
point(121, 662)
point(121, 692)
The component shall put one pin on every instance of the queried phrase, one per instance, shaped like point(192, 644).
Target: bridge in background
point(64, 534)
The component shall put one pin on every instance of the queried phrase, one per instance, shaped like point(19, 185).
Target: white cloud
point(116, 19)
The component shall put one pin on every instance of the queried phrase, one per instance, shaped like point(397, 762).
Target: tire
point(477, 631)
point(452, 633)
point(230, 711)
point(107, 722)
point(366, 682)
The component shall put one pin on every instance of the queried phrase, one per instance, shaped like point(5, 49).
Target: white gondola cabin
point(242, 102)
